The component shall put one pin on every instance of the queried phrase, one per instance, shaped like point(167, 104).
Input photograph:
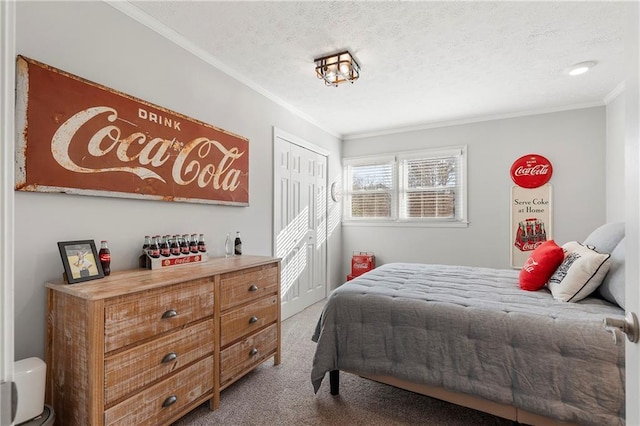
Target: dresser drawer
point(134, 369)
point(147, 408)
point(242, 321)
point(238, 288)
point(138, 316)
point(246, 354)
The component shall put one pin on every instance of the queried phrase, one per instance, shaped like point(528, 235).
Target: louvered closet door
point(300, 225)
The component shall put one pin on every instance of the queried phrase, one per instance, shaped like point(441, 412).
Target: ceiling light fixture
point(580, 68)
point(337, 68)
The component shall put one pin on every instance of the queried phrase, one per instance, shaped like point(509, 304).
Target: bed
point(472, 336)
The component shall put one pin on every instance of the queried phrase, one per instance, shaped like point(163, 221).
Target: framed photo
point(80, 260)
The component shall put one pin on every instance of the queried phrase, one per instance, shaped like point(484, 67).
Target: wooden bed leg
point(334, 382)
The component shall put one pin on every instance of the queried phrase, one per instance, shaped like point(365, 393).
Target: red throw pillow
point(542, 263)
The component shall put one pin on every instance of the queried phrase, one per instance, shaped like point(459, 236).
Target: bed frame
point(508, 412)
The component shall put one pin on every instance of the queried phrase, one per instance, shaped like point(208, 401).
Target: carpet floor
point(283, 395)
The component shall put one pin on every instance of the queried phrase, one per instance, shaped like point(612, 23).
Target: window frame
point(400, 190)
point(348, 164)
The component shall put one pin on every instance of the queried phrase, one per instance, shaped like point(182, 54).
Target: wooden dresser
point(148, 346)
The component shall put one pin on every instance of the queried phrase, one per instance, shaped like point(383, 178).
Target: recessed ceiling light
point(580, 68)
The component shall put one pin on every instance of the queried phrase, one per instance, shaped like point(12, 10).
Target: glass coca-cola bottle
point(237, 244)
point(142, 260)
point(184, 244)
point(165, 250)
point(105, 257)
point(154, 248)
point(193, 243)
point(147, 243)
point(175, 246)
point(202, 246)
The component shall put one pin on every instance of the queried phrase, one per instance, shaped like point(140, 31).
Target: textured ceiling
point(422, 62)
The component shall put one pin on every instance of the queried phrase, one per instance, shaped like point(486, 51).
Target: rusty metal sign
point(79, 137)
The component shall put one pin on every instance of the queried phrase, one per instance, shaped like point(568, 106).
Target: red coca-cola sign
point(79, 137)
point(531, 171)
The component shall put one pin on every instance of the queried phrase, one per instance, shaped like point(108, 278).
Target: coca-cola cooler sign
point(530, 206)
point(79, 137)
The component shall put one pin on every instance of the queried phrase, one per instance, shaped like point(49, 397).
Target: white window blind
point(432, 185)
point(371, 188)
point(418, 186)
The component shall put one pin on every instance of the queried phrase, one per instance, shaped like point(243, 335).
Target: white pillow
point(579, 274)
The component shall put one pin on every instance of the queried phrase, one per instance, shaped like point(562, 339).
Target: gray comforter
point(473, 330)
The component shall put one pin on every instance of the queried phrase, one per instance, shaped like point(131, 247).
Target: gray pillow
point(605, 238)
point(612, 287)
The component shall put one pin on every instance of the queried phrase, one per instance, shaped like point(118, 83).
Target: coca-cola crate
point(167, 262)
point(530, 234)
point(362, 262)
point(350, 277)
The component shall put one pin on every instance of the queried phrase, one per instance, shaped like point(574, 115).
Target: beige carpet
point(283, 395)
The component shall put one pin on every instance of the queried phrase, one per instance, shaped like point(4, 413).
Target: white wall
point(101, 44)
point(615, 181)
point(574, 142)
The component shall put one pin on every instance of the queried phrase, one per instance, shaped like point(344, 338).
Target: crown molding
point(618, 90)
point(437, 124)
point(138, 15)
point(143, 18)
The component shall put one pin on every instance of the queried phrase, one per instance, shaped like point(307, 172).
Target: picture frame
point(80, 260)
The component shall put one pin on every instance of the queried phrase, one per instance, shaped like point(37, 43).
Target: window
point(421, 186)
point(371, 188)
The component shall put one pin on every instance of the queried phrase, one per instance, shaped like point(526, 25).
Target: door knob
point(628, 325)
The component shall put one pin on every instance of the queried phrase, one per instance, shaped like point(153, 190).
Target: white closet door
point(300, 200)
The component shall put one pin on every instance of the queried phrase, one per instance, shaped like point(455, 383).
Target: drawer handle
point(170, 401)
point(253, 352)
point(253, 287)
point(169, 314)
point(253, 319)
point(169, 357)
